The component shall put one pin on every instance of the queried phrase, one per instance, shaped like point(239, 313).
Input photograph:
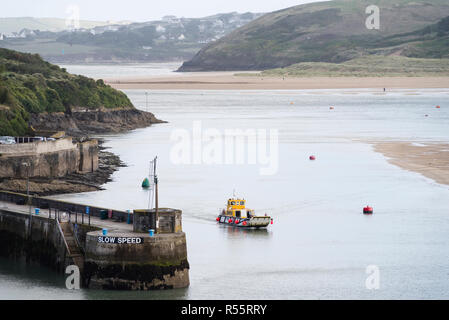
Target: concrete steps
point(74, 250)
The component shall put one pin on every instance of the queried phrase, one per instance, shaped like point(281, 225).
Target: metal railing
point(75, 235)
point(42, 202)
point(61, 233)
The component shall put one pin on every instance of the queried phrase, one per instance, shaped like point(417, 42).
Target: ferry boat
point(236, 214)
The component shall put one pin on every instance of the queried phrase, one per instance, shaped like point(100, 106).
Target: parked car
point(7, 140)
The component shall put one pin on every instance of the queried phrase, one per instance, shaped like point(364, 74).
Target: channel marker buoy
point(368, 210)
point(146, 183)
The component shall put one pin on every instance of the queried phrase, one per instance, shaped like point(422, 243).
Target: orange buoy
point(312, 158)
point(368, 210)
point(438, 107)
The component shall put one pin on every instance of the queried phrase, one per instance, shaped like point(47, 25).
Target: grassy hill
point(169, 39)
point(331, 31)
point(10, 25)
point(369, 66)
point(30, 85)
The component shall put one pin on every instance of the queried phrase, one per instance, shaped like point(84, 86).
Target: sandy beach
point(230, 81)
point(429, 159)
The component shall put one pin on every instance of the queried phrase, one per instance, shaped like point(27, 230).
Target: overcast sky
point(138, 10)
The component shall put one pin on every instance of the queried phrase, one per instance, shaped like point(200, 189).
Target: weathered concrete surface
point(36, 147)
point(8, 204)
point(88, 156)
point(16, 202)
point(75, 182)
point(170, 220)
point(49, 159)
point(45, 245)
point(159, 262)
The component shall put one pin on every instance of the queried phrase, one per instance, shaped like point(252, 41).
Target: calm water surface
point(320, 244)
point(136, 70)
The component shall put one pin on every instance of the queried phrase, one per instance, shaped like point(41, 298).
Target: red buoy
point(271, 221)
point(236, 221)
point(244, 223)
point(312, 158)
point(218, 219)
point(367, 210)
point(230, 220)
point(438, 107)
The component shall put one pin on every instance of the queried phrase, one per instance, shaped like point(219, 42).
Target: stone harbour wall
point(88, 156)
point(132, 261)
point(45, 245)
point(120, 260)
point(51, 159)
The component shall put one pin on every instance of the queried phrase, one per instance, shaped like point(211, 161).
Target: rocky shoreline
point(108, 163)
point(81, 124)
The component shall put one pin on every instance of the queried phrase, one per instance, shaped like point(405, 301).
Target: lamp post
point(153, 194)
point(27, 165)
point(157, 197)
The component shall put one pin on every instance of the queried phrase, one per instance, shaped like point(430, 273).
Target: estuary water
point(320, 246)
point(136, 70)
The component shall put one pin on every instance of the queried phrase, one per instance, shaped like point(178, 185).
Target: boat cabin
point(237, 208)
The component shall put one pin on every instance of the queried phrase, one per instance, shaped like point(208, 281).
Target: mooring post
point(27, 166)
point(88, 213)
point(157, 197)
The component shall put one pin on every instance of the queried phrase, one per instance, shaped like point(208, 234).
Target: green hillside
point(29, 85)
point(10, 25)
point(369, 66)
point(169, 39)
point(331, 31)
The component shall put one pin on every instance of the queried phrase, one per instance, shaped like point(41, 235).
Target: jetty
point(113, 249)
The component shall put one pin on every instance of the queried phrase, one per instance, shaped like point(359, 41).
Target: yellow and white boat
point(236, 214)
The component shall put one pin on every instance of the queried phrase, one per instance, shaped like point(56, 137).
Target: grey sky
point(138, 10)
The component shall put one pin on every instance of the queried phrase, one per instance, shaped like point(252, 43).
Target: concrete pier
point(123, 259)
point(138, 262)
point(49, 159)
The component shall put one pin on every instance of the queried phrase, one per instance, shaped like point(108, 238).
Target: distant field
point(8, 25)
point(372, 66)
point(49, 47)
